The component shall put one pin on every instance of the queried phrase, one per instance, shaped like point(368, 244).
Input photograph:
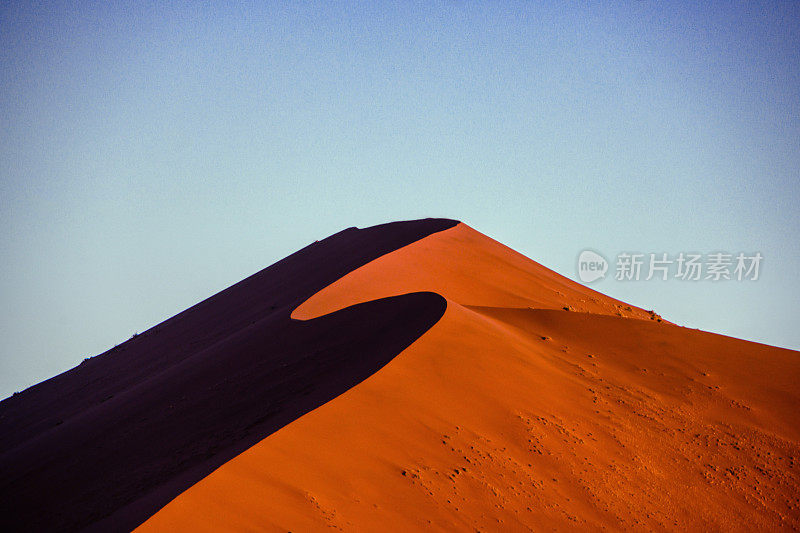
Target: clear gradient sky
point(152, 154)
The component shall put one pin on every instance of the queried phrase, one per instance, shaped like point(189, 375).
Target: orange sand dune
point(512, 413)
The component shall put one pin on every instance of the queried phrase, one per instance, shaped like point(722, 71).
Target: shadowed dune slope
point(106, 444)
point(514, 414)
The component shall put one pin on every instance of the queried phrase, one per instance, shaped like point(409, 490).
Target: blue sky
point(153, 154)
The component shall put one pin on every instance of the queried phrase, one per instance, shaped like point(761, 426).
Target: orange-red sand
point(514, 414)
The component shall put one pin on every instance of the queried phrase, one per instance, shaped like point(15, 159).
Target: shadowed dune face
point(106, 444)
point(512, 413)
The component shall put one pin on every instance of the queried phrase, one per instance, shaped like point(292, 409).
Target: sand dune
point(512, 413)
point(429, 378)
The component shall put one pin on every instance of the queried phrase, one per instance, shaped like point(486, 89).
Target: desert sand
point(410, 376)
point(533, 404)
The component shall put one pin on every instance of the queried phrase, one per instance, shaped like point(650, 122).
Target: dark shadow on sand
point(105, 445)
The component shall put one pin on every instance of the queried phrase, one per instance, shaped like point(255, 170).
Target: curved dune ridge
point(533, 403)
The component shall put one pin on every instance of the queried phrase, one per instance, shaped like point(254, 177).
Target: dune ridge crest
point(467, 267)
